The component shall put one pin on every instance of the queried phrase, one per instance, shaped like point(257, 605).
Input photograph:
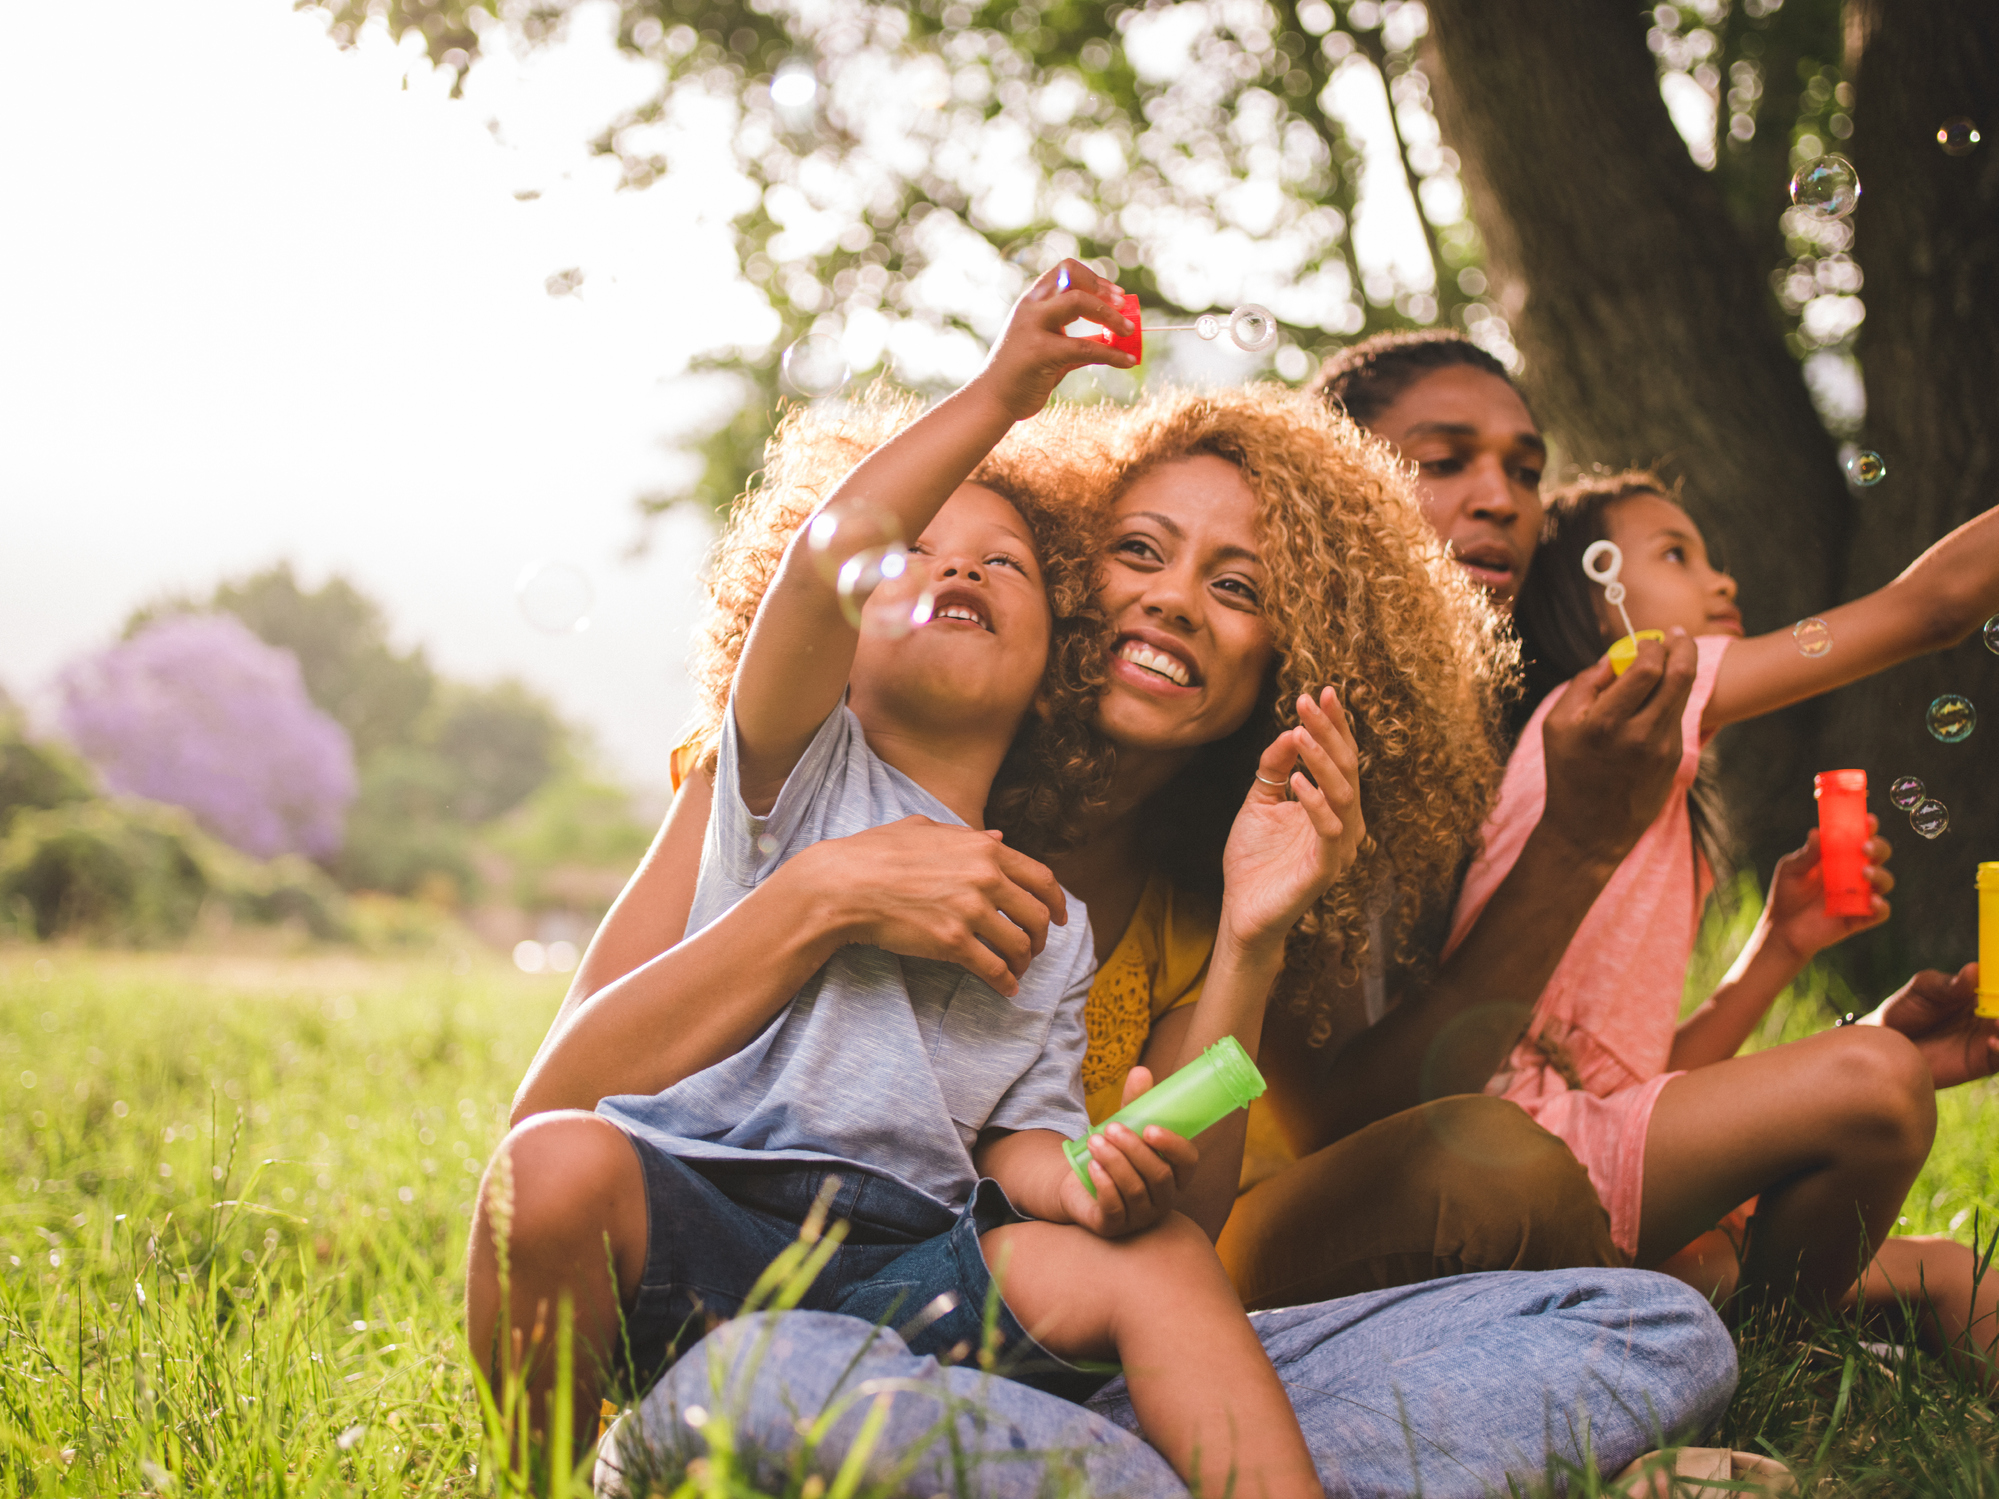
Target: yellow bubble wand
point(1602, 562)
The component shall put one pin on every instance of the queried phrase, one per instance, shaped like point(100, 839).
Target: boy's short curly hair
point(1361, 595)
point(1058, 767)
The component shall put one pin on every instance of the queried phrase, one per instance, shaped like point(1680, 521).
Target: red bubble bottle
point(1842, 798)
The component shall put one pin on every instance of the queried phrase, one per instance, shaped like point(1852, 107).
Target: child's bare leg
point(1934, 1276)
point(1159, 1303)
point(1830, 1131)
point(574, 1180)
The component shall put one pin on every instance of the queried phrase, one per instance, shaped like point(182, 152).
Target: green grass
point(234, 1192)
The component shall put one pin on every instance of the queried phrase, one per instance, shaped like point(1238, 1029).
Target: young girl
point(939, 1103)
point(1826, 1133)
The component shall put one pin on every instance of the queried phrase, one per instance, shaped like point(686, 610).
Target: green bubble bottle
point(1199, 1096)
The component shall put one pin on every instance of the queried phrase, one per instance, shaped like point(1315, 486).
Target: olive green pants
point(1460, 1184)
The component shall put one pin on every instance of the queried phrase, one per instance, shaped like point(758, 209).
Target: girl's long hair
point(1359, 594)
point(1561, 633)
point(1058, 769)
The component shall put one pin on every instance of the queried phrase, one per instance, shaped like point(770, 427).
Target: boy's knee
point(566, 1176)
point(1885, 1088)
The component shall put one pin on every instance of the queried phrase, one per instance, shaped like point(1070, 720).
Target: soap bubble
point(567, 283)
point(1253, 328)
point(813, 367)
point(1957, 136)
point(1905, 792)
point(555, 597)
point(1992, 634)
point(1827, 187)
point(1930, 818)
point(864, 572)
point(1208, 326)
point(1813, 636)
point(1866, 468)
point(848, 527)
point(1952, 718)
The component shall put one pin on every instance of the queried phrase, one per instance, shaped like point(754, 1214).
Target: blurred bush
point(571, 844)
point(36, 776)
point(138, 873)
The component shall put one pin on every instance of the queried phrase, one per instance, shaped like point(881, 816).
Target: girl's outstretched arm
point(1939, 599)
point(1793, 927)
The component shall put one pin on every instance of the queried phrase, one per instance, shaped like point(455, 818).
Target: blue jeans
point(1446, 1388)
point(907, 1262)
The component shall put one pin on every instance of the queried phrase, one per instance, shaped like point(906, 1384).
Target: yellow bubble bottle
point(1988, 939)
point(1624, 649)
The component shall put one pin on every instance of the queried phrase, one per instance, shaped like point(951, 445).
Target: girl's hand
point(1033, 354)
point(1937, 1012)
point(1293, 838)
point(1794, 912)
point(1138, 1180)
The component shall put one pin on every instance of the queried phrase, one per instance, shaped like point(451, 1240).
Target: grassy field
point(234, 1192)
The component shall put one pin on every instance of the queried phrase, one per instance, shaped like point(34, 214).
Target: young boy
point(940, 1104)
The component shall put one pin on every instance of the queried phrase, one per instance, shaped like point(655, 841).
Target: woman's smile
point(1154, 663)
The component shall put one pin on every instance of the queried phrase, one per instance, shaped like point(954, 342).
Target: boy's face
point(980, 660)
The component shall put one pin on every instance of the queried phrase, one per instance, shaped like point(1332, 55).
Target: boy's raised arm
point(795, 663)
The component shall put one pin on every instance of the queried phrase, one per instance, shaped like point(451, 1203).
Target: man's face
point(1478, 461)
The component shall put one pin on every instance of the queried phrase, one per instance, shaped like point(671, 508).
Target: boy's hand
point(1138, 1181)
point(1033, 354)
point(1291, 840)
point(1794, 912)
point(1936, 1011)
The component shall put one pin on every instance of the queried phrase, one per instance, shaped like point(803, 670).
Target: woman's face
point(1667, 577)
point(1478, 470)
point(1184, 590)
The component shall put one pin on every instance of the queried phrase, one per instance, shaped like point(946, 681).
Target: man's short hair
point(1364, 379)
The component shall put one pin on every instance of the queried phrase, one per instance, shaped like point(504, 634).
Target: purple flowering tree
point(198, 712)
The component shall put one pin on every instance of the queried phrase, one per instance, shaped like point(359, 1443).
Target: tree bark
point(1645, 324)
point(1926, 235)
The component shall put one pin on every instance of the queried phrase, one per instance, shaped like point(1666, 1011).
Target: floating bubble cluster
point(1828, 187)
point(1905, 792)
point(555, 597)
point(1992, 634)
point(813, 367)
point(1952, 718)
point(1930, 818)
point(1957, 136)
point(1813, 636)
point(1866, 468)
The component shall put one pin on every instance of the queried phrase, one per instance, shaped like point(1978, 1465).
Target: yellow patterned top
point(1159, 964)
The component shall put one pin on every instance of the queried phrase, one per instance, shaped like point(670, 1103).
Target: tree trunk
point(1926, 235)
point(1645, 323)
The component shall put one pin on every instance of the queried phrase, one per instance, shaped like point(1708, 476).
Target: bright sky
point(264, 302)
point(272, 300)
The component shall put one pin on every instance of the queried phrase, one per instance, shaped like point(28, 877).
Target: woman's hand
point(1138, 1181)
point(1936, 1011)
point(1794, 912)
point(1299, 829)
point(1033, 354)
point(927, 889)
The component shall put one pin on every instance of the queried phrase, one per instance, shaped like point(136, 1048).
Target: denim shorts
point(713, 1226)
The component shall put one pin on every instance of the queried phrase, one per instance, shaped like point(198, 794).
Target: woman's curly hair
point(1361, 595)
point(1058, 768)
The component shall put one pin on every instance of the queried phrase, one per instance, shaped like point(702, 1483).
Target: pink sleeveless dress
point(1593, 1061)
